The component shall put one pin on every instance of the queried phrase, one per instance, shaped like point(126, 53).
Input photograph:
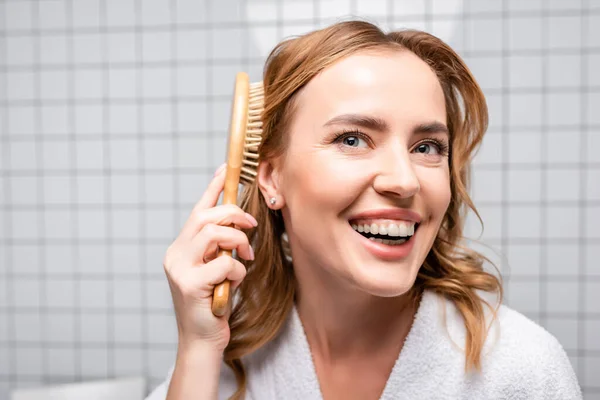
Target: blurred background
point(114, 115)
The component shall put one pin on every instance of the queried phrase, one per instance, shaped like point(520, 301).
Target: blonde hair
point(267, 294)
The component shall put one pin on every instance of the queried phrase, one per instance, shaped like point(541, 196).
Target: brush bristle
point(253, 133)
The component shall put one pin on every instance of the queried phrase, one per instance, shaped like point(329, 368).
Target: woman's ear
point(268, 180)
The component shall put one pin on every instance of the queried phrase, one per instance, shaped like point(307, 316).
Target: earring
point(272, 200)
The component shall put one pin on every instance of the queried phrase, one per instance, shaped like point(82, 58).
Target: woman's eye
point(427, 148)
point(353, 141)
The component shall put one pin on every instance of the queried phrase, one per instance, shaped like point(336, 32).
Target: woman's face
point(366, 166)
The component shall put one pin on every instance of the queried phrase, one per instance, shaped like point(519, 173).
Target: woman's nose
point(396, 175)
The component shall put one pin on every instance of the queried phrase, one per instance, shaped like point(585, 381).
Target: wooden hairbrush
point(245, 134)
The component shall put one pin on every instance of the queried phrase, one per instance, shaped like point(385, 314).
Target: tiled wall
point(113, 116)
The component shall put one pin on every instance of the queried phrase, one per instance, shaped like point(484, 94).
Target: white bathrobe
point(520, 360)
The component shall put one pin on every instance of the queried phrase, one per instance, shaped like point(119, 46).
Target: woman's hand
point(193, 270)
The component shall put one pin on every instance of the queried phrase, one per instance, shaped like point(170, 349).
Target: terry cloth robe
point(520, 360)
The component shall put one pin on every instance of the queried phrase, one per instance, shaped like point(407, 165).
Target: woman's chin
point(386, 283)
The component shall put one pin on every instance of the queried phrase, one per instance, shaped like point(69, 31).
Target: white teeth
point(355, 227)
point(393, 230)
point(383, 230)
point(402, 229)
point(360, 228)
point(367, 228)
point(374, 229)
point(411, 230)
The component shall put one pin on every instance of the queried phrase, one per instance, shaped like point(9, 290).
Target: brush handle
point(235, 154)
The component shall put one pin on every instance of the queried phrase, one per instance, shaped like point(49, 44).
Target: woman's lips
point(385, 251)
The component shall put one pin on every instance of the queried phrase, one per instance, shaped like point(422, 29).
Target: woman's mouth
point(389, 240)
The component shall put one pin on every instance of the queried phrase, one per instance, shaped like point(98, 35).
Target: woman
point(363, 174)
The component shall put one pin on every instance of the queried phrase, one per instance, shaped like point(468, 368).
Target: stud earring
point(272, 200)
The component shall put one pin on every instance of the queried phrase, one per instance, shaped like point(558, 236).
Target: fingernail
point(252, 220)
point(220, 169)
point(251, 253)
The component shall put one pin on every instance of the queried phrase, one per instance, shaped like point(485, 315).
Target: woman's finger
point(224, 215)
point(214, 237)
point(214, 189)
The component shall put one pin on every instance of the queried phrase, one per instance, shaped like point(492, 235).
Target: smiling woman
point(356, 284)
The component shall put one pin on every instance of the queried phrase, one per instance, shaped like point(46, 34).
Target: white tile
point(158, 118)
point(563, 259)
point(593, 103)
point(58, 224)
point(524, 259)
point(410, 7)
point(484, 6)
point(91, 224)
point(492, 223)
point(128, 328)
point(191, 81)
point(593, 65)
point(26, 259)
point(523, 223)
point(124, 154)
point(159, 189)
point(124, 189)
point(565, 330)
point(525, 33)
point(88, 119)
point(495, 111)
point(53, 49)
point(54, 85)
point(160, 362)
point(55, 119)
point(161, 295)
point(94, 363)
point(487, 185)
point(226, 44)
point(21, 120)
point(90, 154)
point(525, 148)
point(60, 293)
point(89, 84)
point(590, 376)
point(162, 329)
point(123, 119)
point(593, 229)
point(127, 294)
point(223, 79)
point(93, 328)
point(373, 8)
point(156, 46)
point(487, 71)
point(121, 46)
point(525, 71)
point(192, 117)
point(451, 7)
point(562, 185)
point(525, 109)
point(20, 85)
point(20, 50)
point(156, 82)
point(564, 108)
point(417, 23)
point(592, 36)
point(289, 31)
point(524, 296)
point(92, 259)
point(62, 362)
point(592, 328)
point(333, 8)
point(564, 32)
point(189, 152)
point(120, 13)
point(484, 34)
point(28, 327)
point(155, 254)
point(122, 83)
point(221, 115)
point(563, 146)
point(592, 297)
point(593, 184)
point(52, 14)
point(58, 190)
point(191, 187)
point(86, 13)
point(125, 224)
point(59, 327)
point(524, 185)
point(490, 151)
point(59, 259)
point(298, 10)
point(129, 362)
point(23, 190)
point(29, 361)
point(90, 189)
point(562, 222)
point(93, 293)
point(22, 221)
point(87, 48)
point(18, 15)
point(190, 11)
point(158, 153)
point(192, 46)
point(562, 297)
point(564, 70)
point(56, 155)
point(5, 322)
point(126, 259)
point(160, 224)
point(564, 5)
point(155, 12)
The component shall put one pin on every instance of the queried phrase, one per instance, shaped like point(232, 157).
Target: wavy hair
point(266, 296)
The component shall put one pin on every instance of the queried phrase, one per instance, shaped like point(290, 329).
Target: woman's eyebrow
point(431, 127)
point(364, 121)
